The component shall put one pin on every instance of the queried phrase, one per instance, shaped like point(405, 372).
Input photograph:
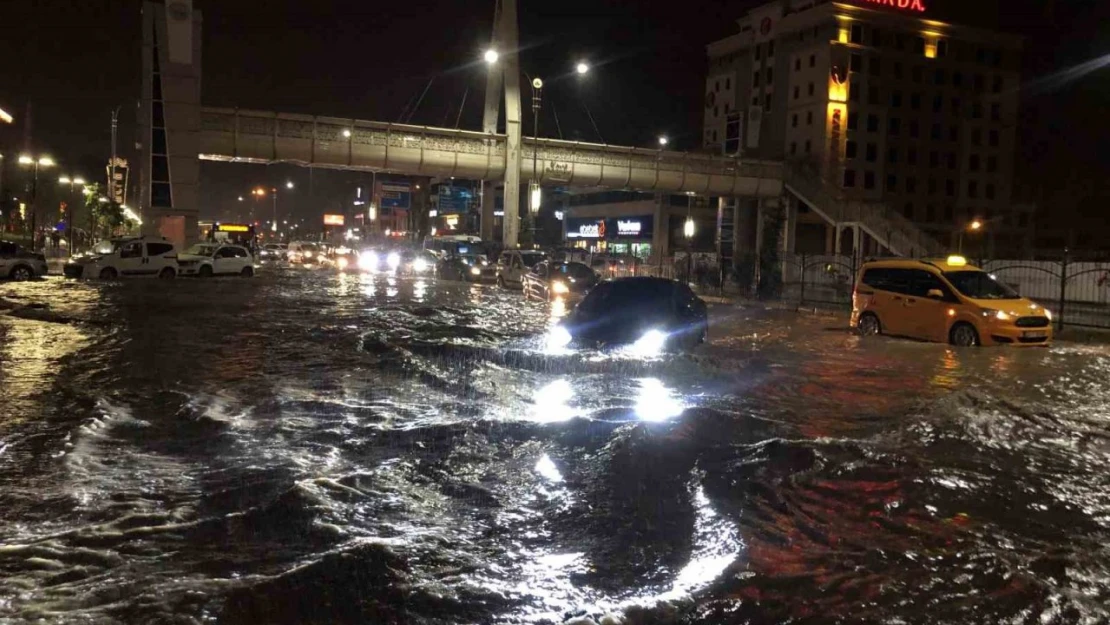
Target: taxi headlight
point(650, 344)
point(367, 260)
point(474, 271)
point(1048, 314)
point(393, 260)
point(558, 338)
point(559, 288)
point(419, 265)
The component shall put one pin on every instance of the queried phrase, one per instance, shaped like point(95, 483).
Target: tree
point(105, 216)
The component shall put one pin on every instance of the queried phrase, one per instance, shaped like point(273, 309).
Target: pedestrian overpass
point(241, 136)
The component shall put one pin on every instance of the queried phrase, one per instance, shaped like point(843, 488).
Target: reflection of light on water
point(547, 469)
point(552, 402)
point(656, 402)
point(559, 308)
point(391, 291)
point(419, 289)
point(948, 375)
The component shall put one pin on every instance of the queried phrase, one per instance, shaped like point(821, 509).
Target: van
point(133, 257)
point(946, 301)
point(513, 264)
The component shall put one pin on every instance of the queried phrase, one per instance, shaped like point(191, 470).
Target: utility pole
point(112, 163)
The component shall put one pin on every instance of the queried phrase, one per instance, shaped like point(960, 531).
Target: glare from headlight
point(367, 260)
point(393, 260)
point(308, 254)
point(419, 265)
point(558, 338)
point(475, 271)
point(651, 344)
point(342, 262)
point(559, 288)
point(1048, 314)
point(1002, 315)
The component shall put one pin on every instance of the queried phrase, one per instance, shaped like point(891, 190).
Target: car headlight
point(308, 254)
point(650, 344)
point(1048, 314)
point(997, 314)
point(342, 262)
point(393, 260)
point(474, 271)
point(559, 288)
point(367, 260)
point(419, 265)
point(558, 338)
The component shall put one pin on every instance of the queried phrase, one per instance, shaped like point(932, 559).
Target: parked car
point(650, 314)
point(126, 258)
point(274, 251)
point(212, 259)
point(20, 264)
point(513, 264)
point(550, 279)
point(467, 268)
point(947, 301)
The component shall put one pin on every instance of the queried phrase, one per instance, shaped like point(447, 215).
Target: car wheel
point(205, 271)
point(869, 325)
point(21, 273)
point(108, 274)
point(963, 335)
point(247, 272)
point(167, 273)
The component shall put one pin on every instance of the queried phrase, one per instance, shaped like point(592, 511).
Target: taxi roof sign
point(956, 260)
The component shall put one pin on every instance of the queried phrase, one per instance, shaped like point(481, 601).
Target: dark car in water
point(551, 279)
point(19, 264)
point(467, 268)
point(649, 314)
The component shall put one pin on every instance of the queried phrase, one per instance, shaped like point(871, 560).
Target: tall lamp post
point(274, 193)
point(75, 181)
point(688, 232)
point(534, 194)
point(35, 163)
point(975, 225)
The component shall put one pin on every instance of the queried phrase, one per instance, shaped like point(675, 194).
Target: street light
point(346, 133)
point(288, 184)
point(491, 56)
point(662, 141)
point(975, 225)
point(30, 161)
point(582, 67)
point(73, 182)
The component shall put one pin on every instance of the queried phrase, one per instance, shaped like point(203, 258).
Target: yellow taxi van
point(945, 301)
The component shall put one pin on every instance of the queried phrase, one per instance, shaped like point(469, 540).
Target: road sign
point(395, 195)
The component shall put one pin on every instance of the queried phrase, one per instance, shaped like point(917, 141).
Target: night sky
point(77, 60)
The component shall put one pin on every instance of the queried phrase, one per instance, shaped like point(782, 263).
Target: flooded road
point(304, 447)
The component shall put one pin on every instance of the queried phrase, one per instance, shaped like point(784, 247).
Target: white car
point(126, 258)
point(216, 259)
point(303, 252)
point(19, 264)
point(513, 264)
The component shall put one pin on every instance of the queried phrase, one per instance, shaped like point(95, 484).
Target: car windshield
point(202, 249)
point(108, 246)
point(531, 258)
point(472, 260)
point(575, 271)
point(308, 248)
point(980, 285)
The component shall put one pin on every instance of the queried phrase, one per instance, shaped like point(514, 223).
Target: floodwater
point(304, 447)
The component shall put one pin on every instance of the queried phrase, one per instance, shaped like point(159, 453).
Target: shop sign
point(628, 227)
point(333, 220)
point(905, 5)
point(595, 230)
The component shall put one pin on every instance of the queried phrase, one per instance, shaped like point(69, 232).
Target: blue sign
point(395, 195)
point(454, 200)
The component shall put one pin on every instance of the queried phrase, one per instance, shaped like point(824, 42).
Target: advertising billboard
point(611, 229)
point(395, 195)
point(333, 220)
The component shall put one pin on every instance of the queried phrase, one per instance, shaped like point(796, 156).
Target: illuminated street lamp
point(975, 225)
point(31, 161)
point(662, 141)
point(346, 133)
point(582, 67)
point(491, 56)
point(288, 184)
point(73, 182)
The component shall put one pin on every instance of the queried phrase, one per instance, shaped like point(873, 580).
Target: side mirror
point(935, 294)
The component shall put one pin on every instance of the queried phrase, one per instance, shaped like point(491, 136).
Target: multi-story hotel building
point(882, 104)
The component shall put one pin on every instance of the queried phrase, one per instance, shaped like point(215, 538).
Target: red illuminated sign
point(905, 5)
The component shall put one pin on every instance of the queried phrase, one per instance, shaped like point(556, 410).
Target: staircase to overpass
point(237, 135)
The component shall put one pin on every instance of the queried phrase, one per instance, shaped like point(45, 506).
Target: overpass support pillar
point(507, 29)
point(661, 234)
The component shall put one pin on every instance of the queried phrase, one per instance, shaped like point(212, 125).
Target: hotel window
point(915, 101)
point(990, 191)
point(771, 48)
point(797, 92)
point(951, 160)
point(915, 129)
point(872, 123)
point(911, 185)
point(993, 138)
point(938, 103)
point(996, 84)
point(916, 73)
point(849, 177)
point(936, 132)
point(942, 48)
point(794, 121)
point(949, 213)
point(932, 186)
point(807, 146)
point(813, 59)
point(973, 162)
point(797, 65)
point(911, 156)
point(770, 75)
point(979, 82)
point(977, 110)
point(857, 33)
point(992, 164)
point(894, 126)
point(972, 189)
point(810, 89)
point(809, 118)
point(891, 182)
point(874, 66)
point(755, 79)
point(853, 92)
point(853, 121)
point(950, 188)
point(793, 147)
point(855, 62)
point(954, 133)
point(934, 160)
point(919, 45)
point(977, 136)
point(898, 71)
point(873, 95)
point(872, 152)
point(892, 155)
point(716, 111)
point(767, 102)
point(930, 213)
point(717, 86)
point(757, 50)
point(907, 210)
point(940, 77)
point(868, 180)
point(876, 37)
point(850, 149)
point(957, 79)
point(896, 99)
point(957, 104)
point(996, 111)
point(728, 84)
